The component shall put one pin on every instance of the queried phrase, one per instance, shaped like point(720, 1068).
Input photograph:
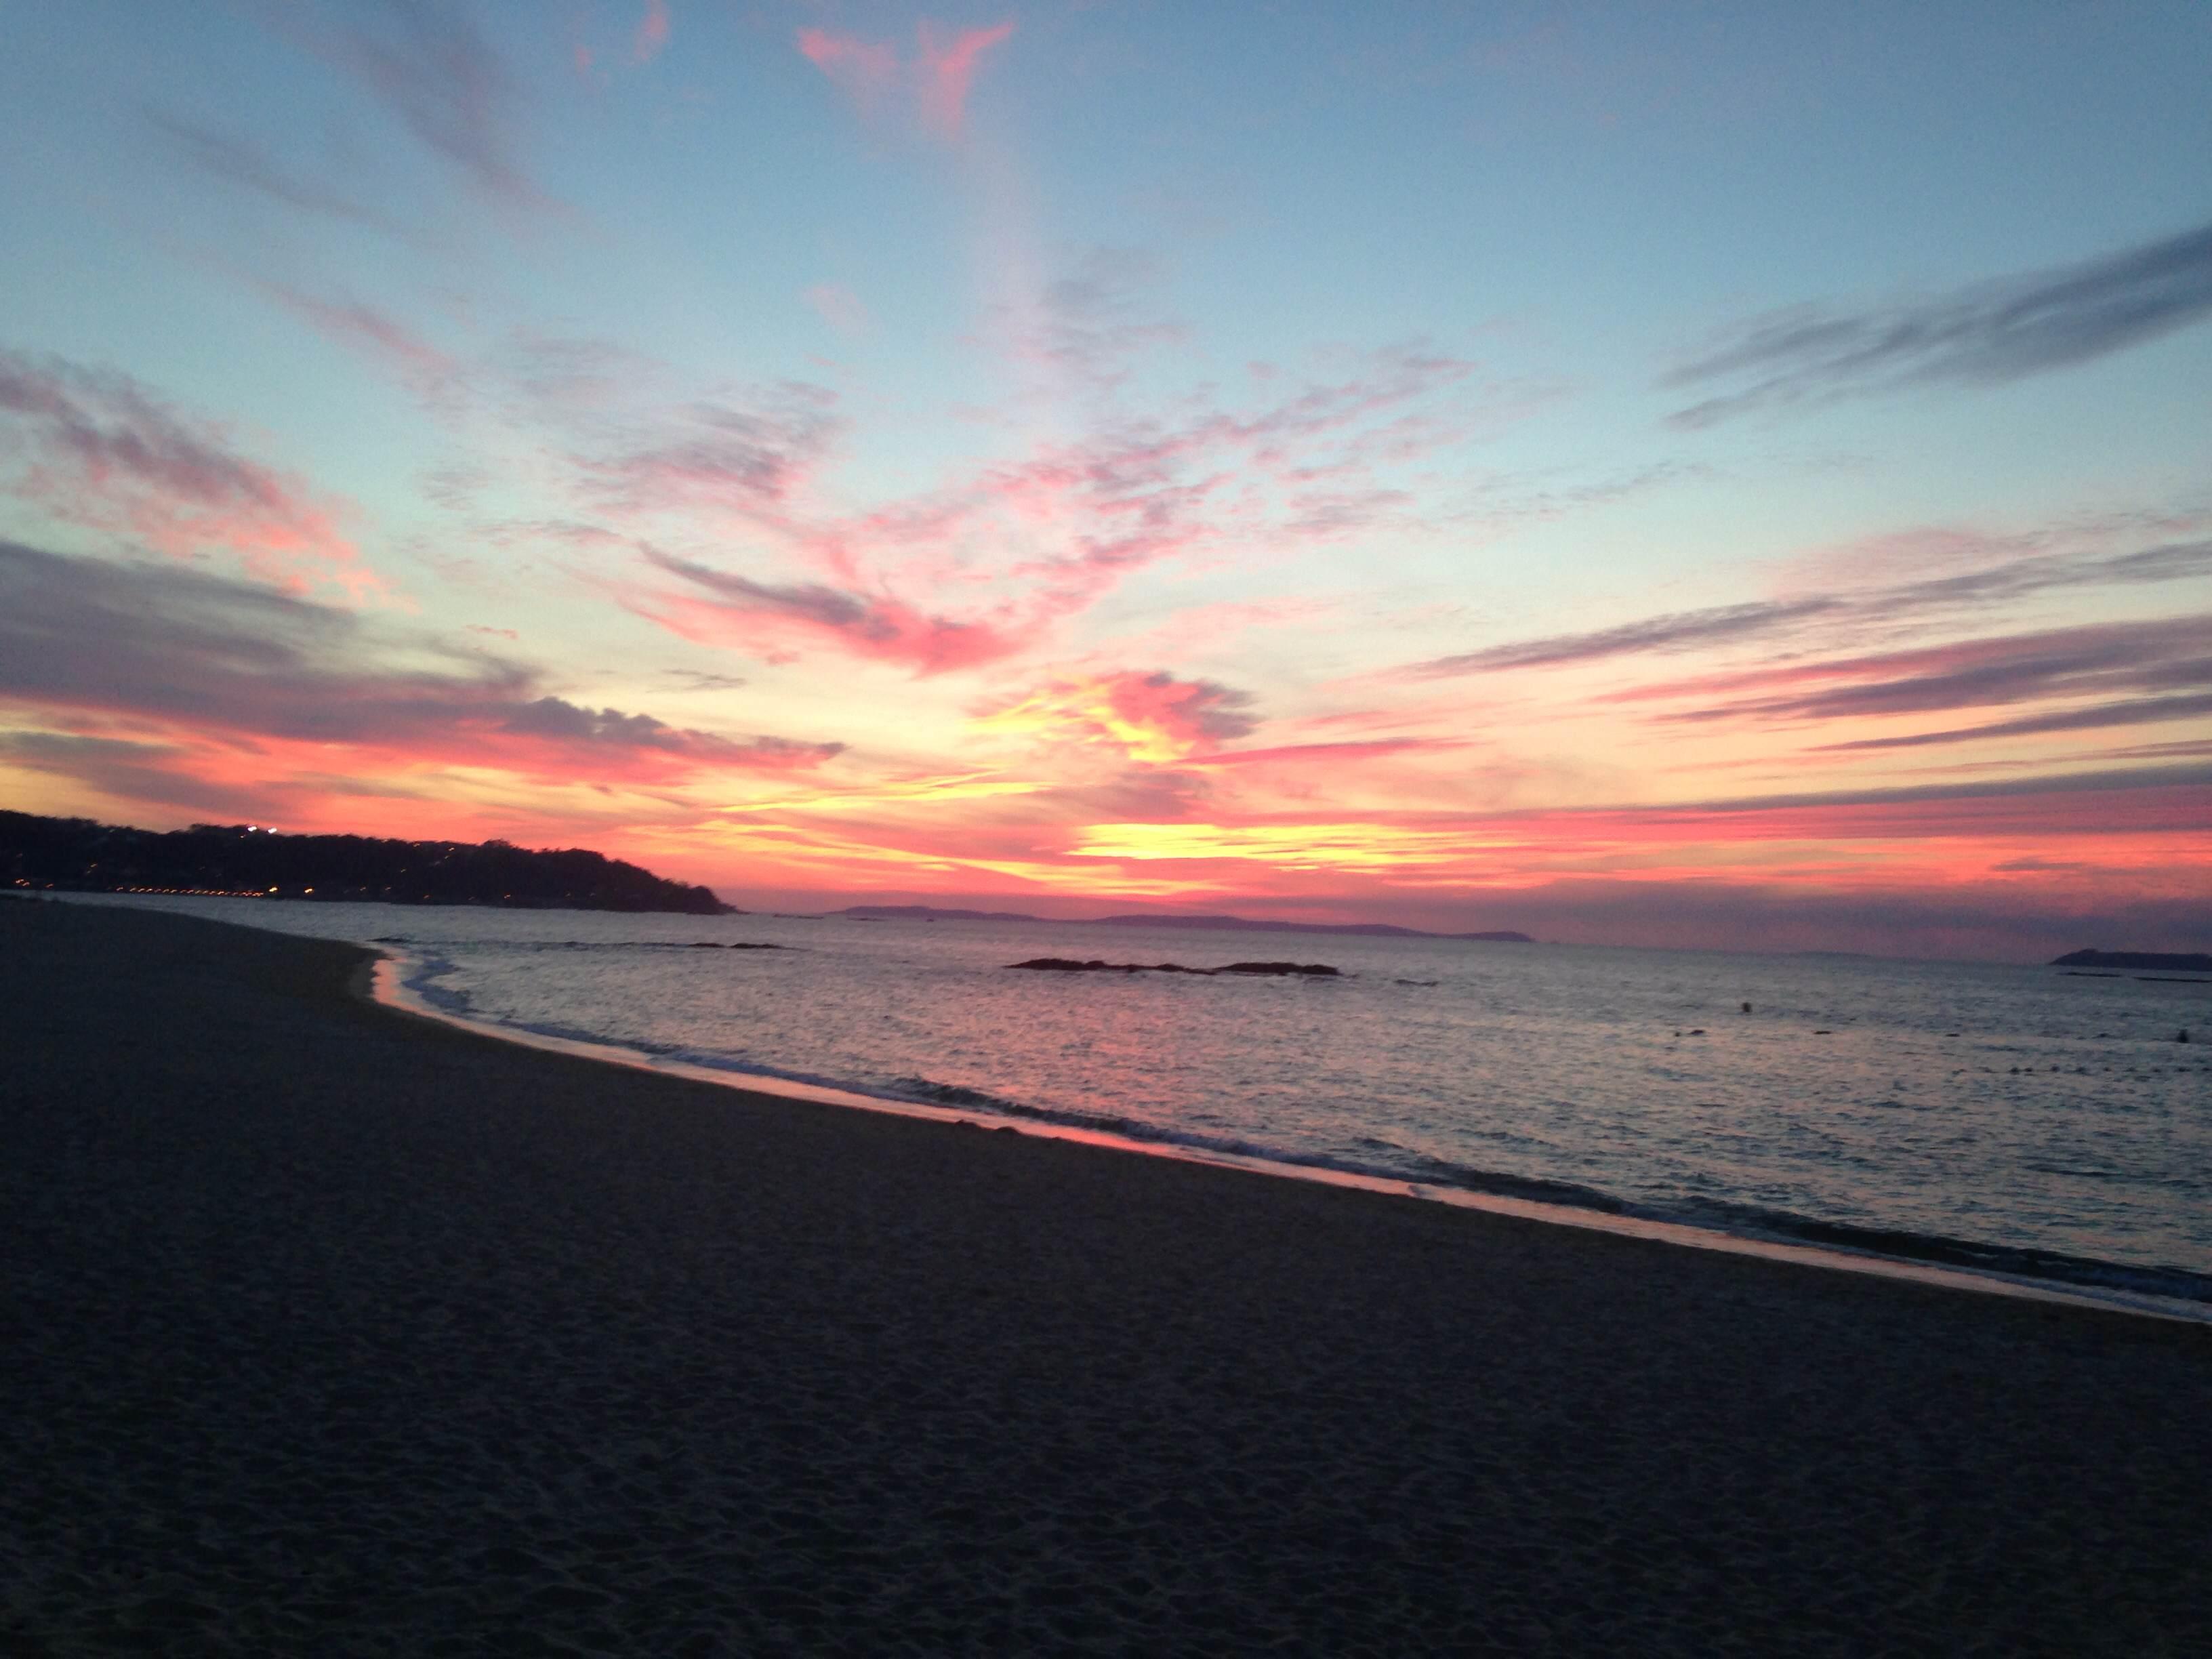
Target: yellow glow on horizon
point(1369, 847)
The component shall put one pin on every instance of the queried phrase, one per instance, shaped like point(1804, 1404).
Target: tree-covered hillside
point(78, 855)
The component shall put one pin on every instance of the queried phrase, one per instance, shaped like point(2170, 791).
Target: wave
point(1773, 1225)
point(2023, 1262)
point(1374, 1158)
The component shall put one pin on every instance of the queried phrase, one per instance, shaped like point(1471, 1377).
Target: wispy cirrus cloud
point(777, 619)
point(432, 373)
point(1085, 328)
point(711, 456)
point(170, 649)
point(602, 423)
point(429, 65)
point(101, 450)
point(240, 161)
point(1996, 332)
point(1138, 490)
point(2098, 676)
point(956, 575)
point(653, 32)
point(2168, 654)
point(864, 69)
point(1834, 614)
point(985, 565)
point(947, 68)
point(2135, 711)
point(937, 79)
point(1679, 631)
point(579, 726)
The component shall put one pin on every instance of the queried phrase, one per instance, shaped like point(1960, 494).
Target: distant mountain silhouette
point(1364, 929)
point(926, 913)
point(2187, 964)
point(78, 855)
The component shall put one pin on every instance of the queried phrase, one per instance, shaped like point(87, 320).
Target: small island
point(2150, 960)
point(238, 861)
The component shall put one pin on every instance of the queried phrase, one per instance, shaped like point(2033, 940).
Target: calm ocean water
point(2013, 1118)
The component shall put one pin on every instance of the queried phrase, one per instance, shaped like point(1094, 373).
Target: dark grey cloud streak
point(101, 423)
point(2170, 654)
point(1679, 631)
point(1775, 619)
point(2143, 673)
point(169, 644)
point(95, 447)
point(429, 66)
point(1994, 332)
point(2139, 711)
point(865, 625)
point(240, 161)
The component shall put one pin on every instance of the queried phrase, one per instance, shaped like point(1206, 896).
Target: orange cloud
point(1154, 718)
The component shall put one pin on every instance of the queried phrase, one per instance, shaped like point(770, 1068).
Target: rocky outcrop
point(1068, 965)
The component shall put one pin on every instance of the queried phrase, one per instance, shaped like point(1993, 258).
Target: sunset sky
point(1726, 474)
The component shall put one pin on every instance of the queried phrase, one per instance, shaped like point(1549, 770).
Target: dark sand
point(329, 1331)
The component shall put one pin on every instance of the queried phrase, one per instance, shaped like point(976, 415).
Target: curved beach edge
point(382, 981)
point(334, 1329)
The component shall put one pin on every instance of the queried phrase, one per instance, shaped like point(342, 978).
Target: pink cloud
point(986, 562)
point(105, 452)
point(720, 457)
point(280, 682)
point(864, 69)
point(1046, 535)
point(938, 80)
point(431, 372)
point(948, 72)
point(777, 619)
point(652, 32)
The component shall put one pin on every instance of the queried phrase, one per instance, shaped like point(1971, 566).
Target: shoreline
point(331, 1329)
point(384, 985)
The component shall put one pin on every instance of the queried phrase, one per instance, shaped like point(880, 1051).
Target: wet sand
point(325, 1329)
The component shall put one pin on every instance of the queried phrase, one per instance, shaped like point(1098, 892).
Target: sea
point(2021, 1126)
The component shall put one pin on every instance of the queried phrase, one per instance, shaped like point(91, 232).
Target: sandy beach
point(329, 1330)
